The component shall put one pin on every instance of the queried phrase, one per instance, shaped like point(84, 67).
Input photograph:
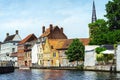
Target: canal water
point(44, 74)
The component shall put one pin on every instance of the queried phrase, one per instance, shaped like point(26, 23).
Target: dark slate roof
point(9, 38)
point(108, 47)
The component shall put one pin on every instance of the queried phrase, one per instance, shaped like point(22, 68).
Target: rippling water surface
point(39, 74)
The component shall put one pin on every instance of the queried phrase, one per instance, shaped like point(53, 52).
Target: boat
point(6, 67)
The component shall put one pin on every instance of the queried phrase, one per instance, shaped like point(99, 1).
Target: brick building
point(24, 50)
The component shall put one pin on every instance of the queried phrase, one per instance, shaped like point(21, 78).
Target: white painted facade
point(90, 56)
point(34, 54)
point(37, 54)
point(17, 38)
point(118, 58)
point(9, 47)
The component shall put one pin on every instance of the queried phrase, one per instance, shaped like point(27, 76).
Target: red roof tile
point(29, 38)
point(46, 33)
point(85, 41)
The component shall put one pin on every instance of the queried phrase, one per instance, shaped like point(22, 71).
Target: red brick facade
point(24, 50)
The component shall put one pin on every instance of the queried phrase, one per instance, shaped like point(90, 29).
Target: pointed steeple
point(94, 18)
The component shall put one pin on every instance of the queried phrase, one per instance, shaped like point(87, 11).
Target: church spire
point(94, 18)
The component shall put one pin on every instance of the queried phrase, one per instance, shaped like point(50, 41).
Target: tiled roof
point(85, 41)
point(46, 33)
point(9, 38)
point(64, 43)
point(29, 38)
point(56, 43)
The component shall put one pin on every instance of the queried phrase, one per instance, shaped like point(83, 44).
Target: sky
point(28, 16)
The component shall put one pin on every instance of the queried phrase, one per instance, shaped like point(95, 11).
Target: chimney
point(61, 29)
point(51, 27)
point(43, 29)
point(16, 31)
point(7, 34)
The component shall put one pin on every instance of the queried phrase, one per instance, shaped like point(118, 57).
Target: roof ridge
point(26, 38)
point(9, 38)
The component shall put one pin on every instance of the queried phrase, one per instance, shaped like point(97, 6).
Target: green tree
point(100, 57)
point(99, 49)
point(98, 30)
point(75, 51)
point(113, 14)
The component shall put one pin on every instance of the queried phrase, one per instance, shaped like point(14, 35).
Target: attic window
point(51, 47)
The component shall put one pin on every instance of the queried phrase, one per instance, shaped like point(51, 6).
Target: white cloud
point(73, 16)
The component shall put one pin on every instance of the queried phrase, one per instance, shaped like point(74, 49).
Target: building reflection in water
point(53, 74)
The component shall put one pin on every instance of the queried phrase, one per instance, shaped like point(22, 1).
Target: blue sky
point(28, 16)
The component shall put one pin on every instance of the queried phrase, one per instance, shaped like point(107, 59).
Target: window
point(54, 54)
point(13, 43)
point(13, 49)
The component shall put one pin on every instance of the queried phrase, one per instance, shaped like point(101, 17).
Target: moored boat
point(6, 67)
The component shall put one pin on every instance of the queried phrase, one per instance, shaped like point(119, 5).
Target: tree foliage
point(113, 14)
point(107, 32)
point(75, 51)
point(100, 57)
point(98, 30)
point(100, 33)
point(99, 49)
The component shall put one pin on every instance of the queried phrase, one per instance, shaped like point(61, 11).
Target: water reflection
point(39, 74)
point(53, 74)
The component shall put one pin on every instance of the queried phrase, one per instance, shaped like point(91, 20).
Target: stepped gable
point(29, 38)
point(53, 32)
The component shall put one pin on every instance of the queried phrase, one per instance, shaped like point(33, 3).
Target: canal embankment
point(98, 68)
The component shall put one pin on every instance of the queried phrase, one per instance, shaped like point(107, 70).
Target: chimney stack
point(61, 29)
point(43, 29)
point(7, 34)
point(16, 31)
point(51, 27)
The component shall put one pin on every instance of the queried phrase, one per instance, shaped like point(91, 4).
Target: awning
point(108, 52)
